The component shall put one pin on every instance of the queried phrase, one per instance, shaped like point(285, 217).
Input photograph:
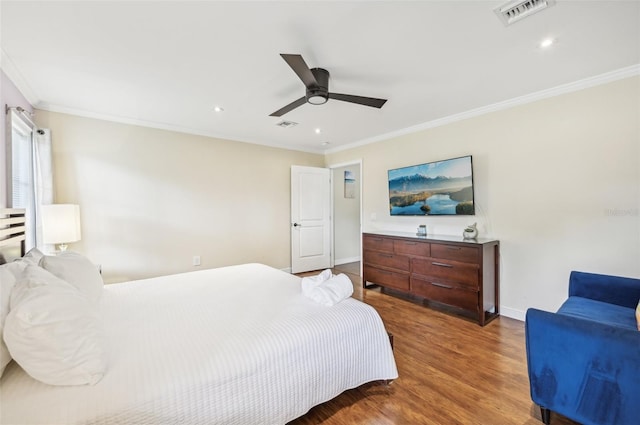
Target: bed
point(234, 345)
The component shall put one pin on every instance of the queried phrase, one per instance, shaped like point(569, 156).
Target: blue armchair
point(584, 360)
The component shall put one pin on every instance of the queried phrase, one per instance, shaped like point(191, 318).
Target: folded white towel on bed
point(330, 291)
point(311, 282)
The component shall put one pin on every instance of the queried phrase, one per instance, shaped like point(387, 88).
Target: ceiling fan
point(316, 82)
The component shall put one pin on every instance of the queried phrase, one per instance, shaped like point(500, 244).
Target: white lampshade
point(61, 224)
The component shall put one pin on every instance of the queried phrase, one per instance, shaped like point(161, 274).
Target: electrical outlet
point(196, 260)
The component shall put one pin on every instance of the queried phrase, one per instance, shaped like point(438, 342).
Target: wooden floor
point(451, 371)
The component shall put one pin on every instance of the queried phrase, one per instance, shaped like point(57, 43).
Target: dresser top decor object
point(470, 232)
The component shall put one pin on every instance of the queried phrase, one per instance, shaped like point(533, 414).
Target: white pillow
point(76, 269)
point(53, 332)
point(8, 276)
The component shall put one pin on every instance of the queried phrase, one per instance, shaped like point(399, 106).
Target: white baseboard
point(337, 262)
point(287, 270)
point(513, 313)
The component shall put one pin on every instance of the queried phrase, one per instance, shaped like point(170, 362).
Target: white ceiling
point(166, 64)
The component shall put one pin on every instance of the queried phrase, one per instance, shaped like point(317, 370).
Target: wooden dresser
point(448, 270)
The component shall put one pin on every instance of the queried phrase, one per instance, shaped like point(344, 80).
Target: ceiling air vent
point(516, 10)
point(286, 124)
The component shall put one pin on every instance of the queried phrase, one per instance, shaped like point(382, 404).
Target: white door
point(310, 218)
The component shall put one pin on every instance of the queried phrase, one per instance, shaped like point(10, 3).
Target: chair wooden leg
point(546, 415)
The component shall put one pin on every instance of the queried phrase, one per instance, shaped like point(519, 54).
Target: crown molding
point(160, 126)
point(9, 68)
point(585, 83)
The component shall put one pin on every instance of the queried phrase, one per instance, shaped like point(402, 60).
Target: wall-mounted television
point(435, 188)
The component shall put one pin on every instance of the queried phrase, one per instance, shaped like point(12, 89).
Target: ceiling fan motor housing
point(318, 95)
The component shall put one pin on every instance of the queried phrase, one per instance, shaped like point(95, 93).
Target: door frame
point(332, 167)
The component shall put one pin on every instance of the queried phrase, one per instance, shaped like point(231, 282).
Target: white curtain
point(31, 172)
point(42, 178)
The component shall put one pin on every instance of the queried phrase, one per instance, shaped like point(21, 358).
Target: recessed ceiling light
point(546, 43)
point(218, 109)
point(317, 130)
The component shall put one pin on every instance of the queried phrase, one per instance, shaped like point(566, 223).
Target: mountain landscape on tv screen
point(418, 182)
point(418, 194)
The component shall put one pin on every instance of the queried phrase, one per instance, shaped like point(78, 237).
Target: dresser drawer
point(387, 278)
point(384, 259)
point(452, 271)
point(377, 243)
point(445, 293)
point(422, 249)
point(456, 253)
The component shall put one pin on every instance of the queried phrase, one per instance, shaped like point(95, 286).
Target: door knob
point(297, 225)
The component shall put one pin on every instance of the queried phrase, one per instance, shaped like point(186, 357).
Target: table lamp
point(61, 224)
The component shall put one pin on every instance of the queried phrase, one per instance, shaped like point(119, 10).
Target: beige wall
point(346, 213)
point(556, 181)
point(152, 199)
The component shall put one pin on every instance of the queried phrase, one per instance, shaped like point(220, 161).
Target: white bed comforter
point(235, 345)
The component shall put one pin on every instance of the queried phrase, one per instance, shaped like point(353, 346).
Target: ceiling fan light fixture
point(317, 99)
point(318, 94)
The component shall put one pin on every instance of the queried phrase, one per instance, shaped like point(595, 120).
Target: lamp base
point(62, 247)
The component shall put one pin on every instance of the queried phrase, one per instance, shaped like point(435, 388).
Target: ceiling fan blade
point(367, 101)
point(293, 105)
point(301, 69)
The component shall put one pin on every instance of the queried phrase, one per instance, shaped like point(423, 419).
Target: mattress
point(234, 345)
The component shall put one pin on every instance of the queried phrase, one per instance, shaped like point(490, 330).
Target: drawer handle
point(454, 248)
point(442, 265)
point(386, 255)
point(441, 285)
point(384, 272)
point(410, 243)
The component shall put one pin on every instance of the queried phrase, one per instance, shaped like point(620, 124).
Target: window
point(21, 164)
point(30, 171)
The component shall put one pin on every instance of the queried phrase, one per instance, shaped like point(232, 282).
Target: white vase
point(470, 232)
